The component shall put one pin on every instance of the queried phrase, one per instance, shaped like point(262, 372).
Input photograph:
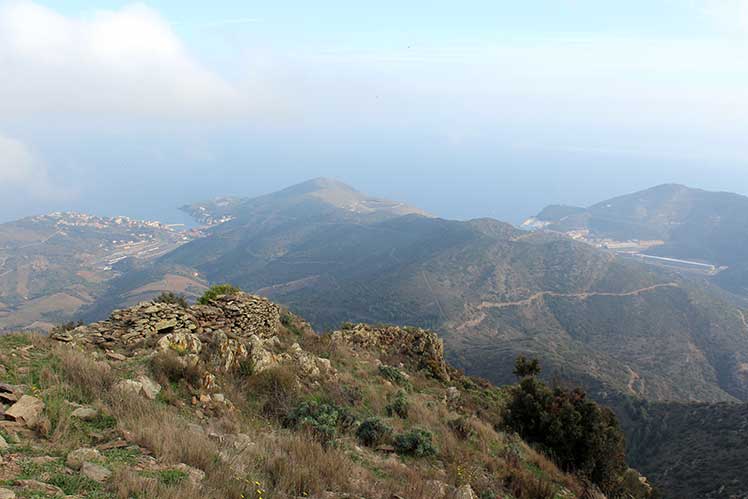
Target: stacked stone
point(237, 316)
point(422, 346)
point(130, 327)
point(240, 315)
point(218, 336)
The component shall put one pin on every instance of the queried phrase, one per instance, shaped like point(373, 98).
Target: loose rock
point(85, 413)
point(27, 410)
point(77, 457)
point(195, 475)
point(465, 492)
point(37, 486)
point(95, 472)
point(150, 388)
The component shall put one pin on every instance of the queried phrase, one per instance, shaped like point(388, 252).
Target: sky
point(466, 109)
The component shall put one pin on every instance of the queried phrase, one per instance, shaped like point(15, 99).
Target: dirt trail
point(581, 296)
point(480, 316)
point(742, 317)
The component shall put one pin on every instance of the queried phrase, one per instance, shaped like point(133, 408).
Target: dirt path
point(436, 299)
point(581, 296)
point(742, 317)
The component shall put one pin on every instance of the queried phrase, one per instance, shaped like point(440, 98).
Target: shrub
point(398, 406)
point(461, 427)
point(417, 443)
point(172, 298)
point(66, 327)
point(245, 367)
point(279, 389)
point(580, 435)
point(218, 290)
point(168, 366)
point(288, 321)
point(524, 367)
point(324, 420)
point(393, 374)
point(372, 432)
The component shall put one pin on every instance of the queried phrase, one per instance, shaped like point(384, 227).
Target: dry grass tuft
point(128, 483)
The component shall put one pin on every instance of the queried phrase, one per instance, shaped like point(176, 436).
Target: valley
point(52, 266)
point(629, 332)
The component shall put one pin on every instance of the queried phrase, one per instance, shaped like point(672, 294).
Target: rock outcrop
point(424, 348)
point(230, 332)
point(240, 315)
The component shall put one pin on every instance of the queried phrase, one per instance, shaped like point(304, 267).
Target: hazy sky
point(471, 108)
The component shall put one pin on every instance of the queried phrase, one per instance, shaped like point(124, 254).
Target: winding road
point(581, 296)
point(481, 316)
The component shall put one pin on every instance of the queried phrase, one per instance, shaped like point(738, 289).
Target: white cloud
point(127, 61)
point(23, 175)
point(731, 15)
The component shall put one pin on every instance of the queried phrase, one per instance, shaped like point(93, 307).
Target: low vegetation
point(369, 431)
point(172, 298)
point(215, 291)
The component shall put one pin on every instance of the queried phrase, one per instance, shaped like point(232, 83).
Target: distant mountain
point(491, 290)
point(691, 224)
point(317, 194)
point(53, 265)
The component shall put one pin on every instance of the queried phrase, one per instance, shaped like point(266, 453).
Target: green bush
point(372, 432)
point(524, 367)
point(580, 435)
point(218, 290)
point(66, 327)
point(417, 443)
point(172, 298)
point(393, 374)
point(398, 406)
point(324, 420)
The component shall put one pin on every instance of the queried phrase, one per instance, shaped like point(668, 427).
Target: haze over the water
point(466, 109)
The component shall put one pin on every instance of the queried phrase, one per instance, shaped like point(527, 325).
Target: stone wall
point(422, 347)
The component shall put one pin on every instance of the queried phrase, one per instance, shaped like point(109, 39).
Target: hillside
point(694, 451)
point(490, 290)
point(319, 194)
point(239, 399)
point(691, 224)
point(53, 265)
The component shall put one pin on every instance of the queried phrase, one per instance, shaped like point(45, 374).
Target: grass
point(168, 477)
point(285, 462)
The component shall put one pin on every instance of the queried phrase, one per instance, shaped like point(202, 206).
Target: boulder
point(27, 410)
point(95, 472)
point(85, 413)
point(143, 386)
point(37, 486)
point(7, 494)
point(129, 386)
point(181, 342)
point(465, 492)
point(437, 489)
point(194, 475)
point(424, 348)
point(150, 388)
point(77, 457)
point(453, 395)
